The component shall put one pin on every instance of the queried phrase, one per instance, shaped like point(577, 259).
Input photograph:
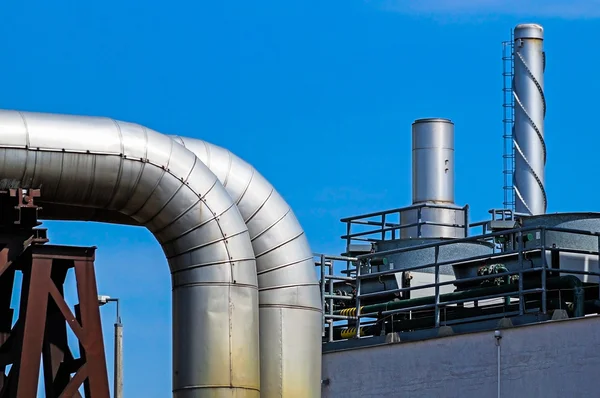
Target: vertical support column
point(118, 382)
point(7, 280)
point(437, 287)
point(90, 321)
point(331, 290)
point(44, 326)
point(598, 246)
point(358, 293)
point(520, 256)
point(544, 276)
point(33, 333)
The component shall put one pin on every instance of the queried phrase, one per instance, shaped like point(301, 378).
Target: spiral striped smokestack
point(530, 110)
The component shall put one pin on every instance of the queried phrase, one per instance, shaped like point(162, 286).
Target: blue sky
point(318, 95)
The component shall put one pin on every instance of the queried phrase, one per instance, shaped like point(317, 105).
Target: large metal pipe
point(289, 295)
point(433, 161)
point(530, 110)
point(149, 179)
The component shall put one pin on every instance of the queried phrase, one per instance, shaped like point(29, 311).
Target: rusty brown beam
point(39, 337)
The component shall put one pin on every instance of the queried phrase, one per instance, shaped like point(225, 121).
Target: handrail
point(382, 226)
point(522, 251)
point(473, 239)
point(400, 227)
point(400, 209)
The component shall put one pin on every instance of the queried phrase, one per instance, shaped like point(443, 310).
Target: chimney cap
point(529, 31)
point(433, 120)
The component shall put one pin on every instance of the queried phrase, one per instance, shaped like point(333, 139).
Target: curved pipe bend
point(289, 300)
point(289, 296)
point(134, 173)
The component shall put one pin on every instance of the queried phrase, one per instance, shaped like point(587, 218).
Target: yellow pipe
point(348, 333)
point(350, 311)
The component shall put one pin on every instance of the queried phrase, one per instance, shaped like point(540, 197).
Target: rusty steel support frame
point(39, 336)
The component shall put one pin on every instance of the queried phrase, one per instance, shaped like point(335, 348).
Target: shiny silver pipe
point(530, 111)
point(433, 183)
point(137, 175)
point(290, 305)
point(433, 161)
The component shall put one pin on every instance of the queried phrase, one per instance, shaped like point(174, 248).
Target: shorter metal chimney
point(433, 161)
point(433, 212)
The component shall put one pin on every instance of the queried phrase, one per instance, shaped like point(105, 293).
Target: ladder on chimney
point(508, 119)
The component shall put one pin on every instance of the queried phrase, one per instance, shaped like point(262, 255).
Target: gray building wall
point(550, 359)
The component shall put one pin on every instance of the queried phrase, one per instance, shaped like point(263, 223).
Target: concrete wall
point(551, 359)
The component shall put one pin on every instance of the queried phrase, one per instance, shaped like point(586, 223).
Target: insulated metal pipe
point(530, 111)
point(289, 295)
point(137, 175)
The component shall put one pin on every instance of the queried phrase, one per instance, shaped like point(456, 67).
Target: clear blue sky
point(318, 95)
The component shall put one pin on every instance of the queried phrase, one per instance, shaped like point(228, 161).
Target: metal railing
point(522, 252)
point(387, 224)
point(326, 264)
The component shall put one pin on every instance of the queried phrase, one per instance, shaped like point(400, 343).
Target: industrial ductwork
point(290, 305)
point(214, 232)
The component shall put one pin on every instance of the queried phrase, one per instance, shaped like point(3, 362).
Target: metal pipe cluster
point(232, 243)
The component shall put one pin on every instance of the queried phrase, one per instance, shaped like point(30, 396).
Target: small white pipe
point(498, 336)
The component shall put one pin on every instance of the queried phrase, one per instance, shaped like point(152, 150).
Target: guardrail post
point(419, 221)
point(348, 238)
point(466, 213)
point(437, 288)
point(331, 302)
point(520, 255)
point(544, 266)
point(323, 293)
point(400, 227)
point(357, 313)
